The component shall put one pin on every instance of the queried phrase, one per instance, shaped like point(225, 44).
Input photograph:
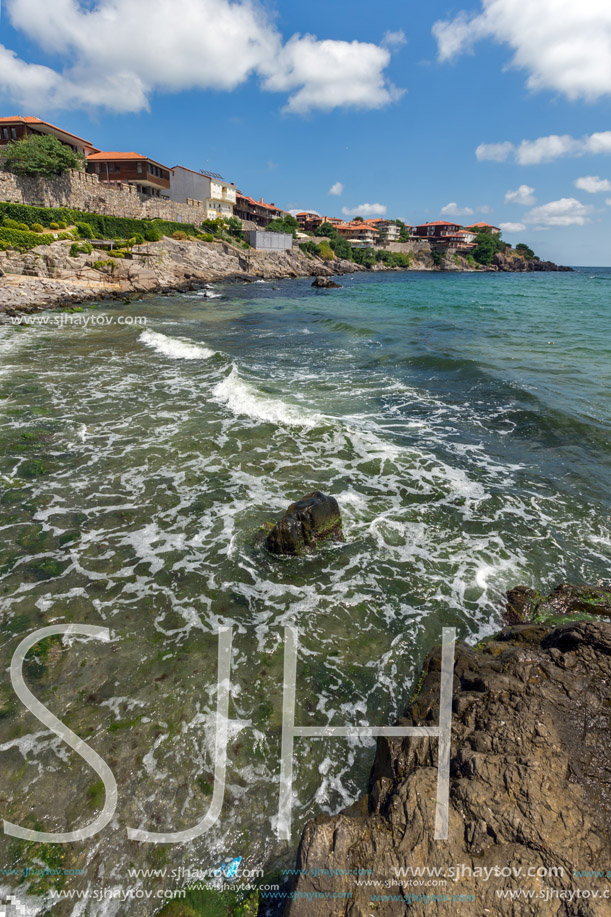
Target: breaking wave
point(175, 348)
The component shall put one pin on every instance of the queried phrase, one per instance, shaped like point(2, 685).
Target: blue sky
point(437, 104)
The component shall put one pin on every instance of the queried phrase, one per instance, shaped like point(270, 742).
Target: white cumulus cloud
point(563, 45)
point(593, 184)
point(365, 210)
point(453, 210)
point(394, 39)
point(494, 152)
point(568, 211)
point(117, 53)
point(523, 195)
point(512, 227)
point(336, 189)
point(545, 149)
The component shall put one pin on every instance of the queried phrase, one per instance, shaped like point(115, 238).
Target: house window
point(139, 167)
point(14, 133)
point(5, 132)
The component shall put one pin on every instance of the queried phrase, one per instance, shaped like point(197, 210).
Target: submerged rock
point(314, 518)
point(326, 283)
point(529, 787)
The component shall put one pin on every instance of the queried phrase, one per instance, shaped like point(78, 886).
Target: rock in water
point(326, 283)
point(314, 518)
point(529, 786)
point(565, 603)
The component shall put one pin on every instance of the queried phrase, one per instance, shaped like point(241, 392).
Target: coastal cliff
point(48, 276)
point(529, 807)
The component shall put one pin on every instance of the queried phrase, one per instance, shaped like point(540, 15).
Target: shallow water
point(462, 422)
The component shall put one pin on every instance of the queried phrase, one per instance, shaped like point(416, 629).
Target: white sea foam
point(175, 348)
point(242, 398)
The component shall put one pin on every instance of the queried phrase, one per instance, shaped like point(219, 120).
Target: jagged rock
point(529, 788)
point(48, 276)
point(512, 261)
point(314, 518)
point(566, 601)
point(326, 283)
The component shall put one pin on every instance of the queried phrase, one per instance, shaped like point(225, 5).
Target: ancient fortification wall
point(82, 191)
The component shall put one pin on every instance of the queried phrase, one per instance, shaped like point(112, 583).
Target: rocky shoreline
point(48, 277)
point(529, 802)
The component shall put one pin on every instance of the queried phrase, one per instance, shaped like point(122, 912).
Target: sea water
point(462, 423)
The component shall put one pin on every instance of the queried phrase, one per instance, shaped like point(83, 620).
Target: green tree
point(487, 244)
point(403, 231)
point(327, 229)
point(234, 226)
point(287, 224)
point(341, 247)
point(40, 154)
point(525, 251)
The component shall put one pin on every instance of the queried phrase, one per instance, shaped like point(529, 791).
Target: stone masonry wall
point(82, 191)
point(416, 246)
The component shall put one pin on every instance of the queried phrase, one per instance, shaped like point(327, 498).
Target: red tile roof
point(113, 156)
point(439, 223)
point(482, 226)
point(264, 204)
point(28, 119)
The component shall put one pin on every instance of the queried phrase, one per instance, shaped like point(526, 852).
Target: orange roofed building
point(149, 177)
point(258, 212)
point(20, 127)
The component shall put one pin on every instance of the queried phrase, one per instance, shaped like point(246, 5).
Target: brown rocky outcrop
point(513, 261)
point(47, 276)
point(530, 799)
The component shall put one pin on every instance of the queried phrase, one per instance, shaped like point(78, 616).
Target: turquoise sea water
point(462, 421)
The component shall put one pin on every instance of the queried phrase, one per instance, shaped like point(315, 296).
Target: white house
point(216, 196)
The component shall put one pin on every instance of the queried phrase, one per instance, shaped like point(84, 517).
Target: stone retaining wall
point(82, 191)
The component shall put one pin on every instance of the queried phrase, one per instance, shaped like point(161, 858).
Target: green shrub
point(37, 227)
point(85, 249)
point(10, 224)
point(326, 252)
point(138, 239)
point(101, 265)
point(84, 230)
point(40, 154)
point(23, 241)
point(61, 224)
point(207, 237)
point(117, 253)
point(102, 226)
point(310, 248)
point(23, 227)
point(54, 226)
point(151, 235)
point(179, 235)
